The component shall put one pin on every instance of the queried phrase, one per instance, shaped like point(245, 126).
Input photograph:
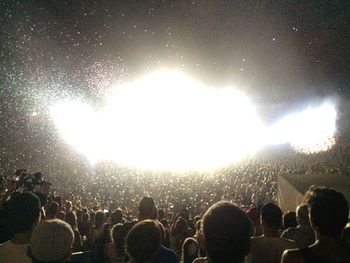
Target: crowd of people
point(114, 214)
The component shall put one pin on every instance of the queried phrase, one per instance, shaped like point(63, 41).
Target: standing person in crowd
point(226, 230)
point(269, 247)
point(96, 231)
point(289, 219)
point(329, 211)
point(71, 219)
point(52, 211)
point(51, 242)
point(115, 249)
point(147, 209)
point(143, 241)
point(22, 214)
point(190, 250)
point(303, 235)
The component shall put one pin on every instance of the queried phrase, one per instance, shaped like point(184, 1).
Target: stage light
point(163, 121)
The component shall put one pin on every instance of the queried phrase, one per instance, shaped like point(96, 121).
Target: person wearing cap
point(51, 242)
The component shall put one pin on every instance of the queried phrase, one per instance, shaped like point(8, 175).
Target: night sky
point(278, 52)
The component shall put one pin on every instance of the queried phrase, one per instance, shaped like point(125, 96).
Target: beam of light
point(309, 131)
point(163, 121)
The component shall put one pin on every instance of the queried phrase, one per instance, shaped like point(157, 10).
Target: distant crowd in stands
point(125, 215)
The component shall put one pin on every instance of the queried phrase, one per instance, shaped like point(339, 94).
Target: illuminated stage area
point(167, 120)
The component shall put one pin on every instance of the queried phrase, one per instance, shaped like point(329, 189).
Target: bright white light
point(163, 121)
point(168, 121)
point(309, 131)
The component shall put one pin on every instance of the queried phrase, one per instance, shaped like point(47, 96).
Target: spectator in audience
point(190, 250)
point(51, 242)
point(117, 217)
point(254, 216)
point(329, 211)
point(143, 241)
point(22, 214)
point(52, 211)
point(303, 235)
point(147, 209)
point(226, 230)
point(71, 219)
point(96, 231)
point(115, 249)
point(289, 219)
point(269, 247)
point(164, 254)
point(178, 234)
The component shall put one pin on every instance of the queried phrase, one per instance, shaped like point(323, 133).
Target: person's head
point(117, 216)
point(271, 216)
point(143, 241)
point(86, 218)
point(328, 210)
point(147, 209)
point(68, 206)
point(53, 209)
point(303, 215)
point(226, 230)
point(22, 212)
point(190, 250)
point(99, 219)
point(71, 219)
point(118, 239)
point(289, 219)
point(51, 242)
point(180, 226)
point(161, 214)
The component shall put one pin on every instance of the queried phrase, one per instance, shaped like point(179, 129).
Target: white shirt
point(10, 252)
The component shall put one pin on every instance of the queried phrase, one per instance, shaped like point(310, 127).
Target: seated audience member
point(303, 235)
point(289, 219)
point(51, 242)
point(52, 211)
point(226, 230)
point(143, 241)
point(115, 249)
point(190, 250)
point(329, 211)
point(71, 219)
point(269, 247)
point(22, 214)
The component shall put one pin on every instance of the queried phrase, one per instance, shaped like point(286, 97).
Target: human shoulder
point(201, 260)
point(292, 256)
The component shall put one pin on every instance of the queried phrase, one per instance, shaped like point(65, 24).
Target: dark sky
point(276, 51)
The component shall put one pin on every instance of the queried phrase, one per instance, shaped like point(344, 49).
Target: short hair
point(53, 208)
point(21, 212)
point(71, 219)
point(190, 249)
point(226, 230)
point(143, 240)
point(302, 214)
point(51, 241)
point(329, 210)
point(271, 214)
point(147, 209)
point(289, 219)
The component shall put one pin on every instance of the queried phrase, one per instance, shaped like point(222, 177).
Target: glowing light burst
point(163, 121)
point(309, 131)
point(168, 121)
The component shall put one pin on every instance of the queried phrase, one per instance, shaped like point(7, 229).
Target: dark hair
point(21, 212)
point(99, 219)
point(329, 210)
point(147, 209)
point(117, 216)
point(187, 255)
point(118, 239)
point(53, 208)
point(226, 230)
point(71, 219)
point(289, 219)
point(271, 214)
point(143, 240)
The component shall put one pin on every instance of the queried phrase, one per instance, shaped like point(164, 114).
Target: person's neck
point(270, 232)
point(21, 238)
